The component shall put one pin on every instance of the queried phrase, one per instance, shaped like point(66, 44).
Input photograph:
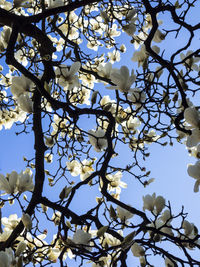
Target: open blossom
point(130, 28)
point(10, 223)
point(81, 237)
point(49, 141)
point(194, 171)
point(122, 79)
point(105, 70)
point(136, 96)
point(5, 37)
point(66, 77)
point(162, 226)
point(25, 102)
point(137, 250)
point(98, 140)
point(114, 56)
point(188, 227)
point(7, 257)
point(115, 182)
point(9, 184)
point(25, 181)
point(15, 182)
point(193, 139)
point(165, 216)
point(86, 169)
point(152, 203)
point(140, 56)
point(20, 248)
point(20, 85)
point(192, 116)
point(74, 167)
point(124, 214)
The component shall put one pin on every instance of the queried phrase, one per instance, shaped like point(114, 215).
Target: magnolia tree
point(62, 81)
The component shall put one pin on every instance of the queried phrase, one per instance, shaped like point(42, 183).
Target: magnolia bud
point(20, 248)
point(26, 219)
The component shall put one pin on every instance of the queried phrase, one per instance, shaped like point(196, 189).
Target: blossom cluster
point(192, 118)
point(14, 182)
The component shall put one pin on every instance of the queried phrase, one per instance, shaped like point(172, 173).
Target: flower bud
point(26, 219)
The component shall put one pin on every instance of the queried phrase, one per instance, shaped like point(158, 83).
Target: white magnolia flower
point(9, 184)
point(86, 169)
point(97, 139)
point(20, 248)
point(162, 226)
point(114, 56)
point(10, 223)
point(136, 96)
point(26, 219)
point(74, 167)
point(25, 102)
point(130, 28)
point(140, 56)
point(193, 139)
point(188, 227)
point(158, 36)
point(165, 216)
point(115, 182)
point(131, 14)
point(194, 171)
point(81, 237)
point(124, 214)
point(112, 31)
point(20, 85)
point(53, 254)
point(48, 157)
point(192, 116)
point(148, 202)
point(137, 250)
point(5, 37)
point(66, 77)
point(105, 70)
point(49, 141)
point(153, 203)
point(93, 43)
point(122, 79)
point(21, 56)
point(159, 204)
point(6, 257)
point(25, 181)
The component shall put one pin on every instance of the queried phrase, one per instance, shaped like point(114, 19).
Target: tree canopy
point(96, 83)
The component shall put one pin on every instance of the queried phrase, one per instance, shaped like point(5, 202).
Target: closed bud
point(20, 248)
point(26, 219)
